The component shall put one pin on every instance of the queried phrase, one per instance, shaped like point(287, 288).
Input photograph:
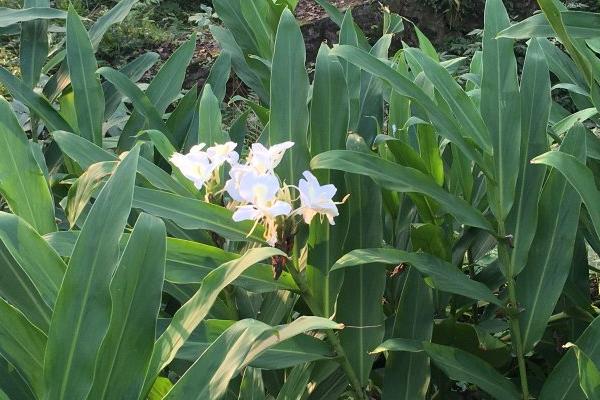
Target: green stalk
point(513, 309)
point(331, 336)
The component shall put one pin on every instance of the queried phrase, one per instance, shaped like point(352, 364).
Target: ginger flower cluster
point(254, 190)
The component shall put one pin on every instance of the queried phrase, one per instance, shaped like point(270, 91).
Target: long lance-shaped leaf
point(500, 108)
point(82, 312)
point(289, 95)
point(402, 179)
point(552, 9)
point(89, 97)
point(135, 294)
point(238, 61)
point(22, 182)
point(443, 275)
point(33, 49)
point(535, 110)
point(36, 103)
point(22, 345)
point(11, 16)
point(252, 386)
point(18, 289)
point(61, 79)
point(371, 104)
point(448, 127)
point(86, 153)
point(463, 107)
point(164, 88)
point(579, 25)
point(210, 130)
point(563, 381)
point(329, 113)
point(234, 349)
point(578, 175)
point(114, 16)
point(589, 376)
point(12, 384)
point(189, 213)
point(407, 375)
point(29, 259)
point(189, 316)
point(541, 282)
point(358, 305)
point(462, 366)
point(210, 375)
point(140, 100)
point(349, 36)
point(290, 352)
point(189, 262)
point(134, 70)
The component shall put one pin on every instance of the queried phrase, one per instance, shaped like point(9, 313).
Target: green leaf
point(296, 382)
point(84, 187)
point(134, 70)
point(290, 352)
point(89, 97)
point(33, 49)
point(219, 75)
point(114, 16)
point(289, 95)
point(36, 103)
point(500, 108)
point(407, 375)
point(141, 101)
point(22, 182)
point(189, 213)
point(12, 383)
point(578, 175)
point(402, 179)
point(162, 91)
point(210, 375)
point(11, 16)
point(463, 107)
point(82, 312)
point(136, 297)
point(565, 124)
point(447, 126)
point(189, 262)
point(563, 381)
point(462, 366)
point(443, 275)
point(85, 153)
point(329, 113)
point(32, 271)
point(252, 386)
point(541, 282)
point(589, 376)
point(359, 302)
point(189, 316)
point(579, 25)
point(182, 116)
point(239, 63)
point(349, 36)
point(23, 346)
point(535, 110)
point(210, 130)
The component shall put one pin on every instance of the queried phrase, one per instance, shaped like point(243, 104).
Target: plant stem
point(331, 336)
point(513, 309)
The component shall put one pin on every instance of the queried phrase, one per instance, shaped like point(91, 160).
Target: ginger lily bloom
point(221, 153)
point(316, 199)
point(265, 160)
point(195, 165)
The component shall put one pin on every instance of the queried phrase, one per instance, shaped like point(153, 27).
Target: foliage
point(458, 265)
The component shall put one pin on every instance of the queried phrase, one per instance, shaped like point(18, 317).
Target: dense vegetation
point(379, 224)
